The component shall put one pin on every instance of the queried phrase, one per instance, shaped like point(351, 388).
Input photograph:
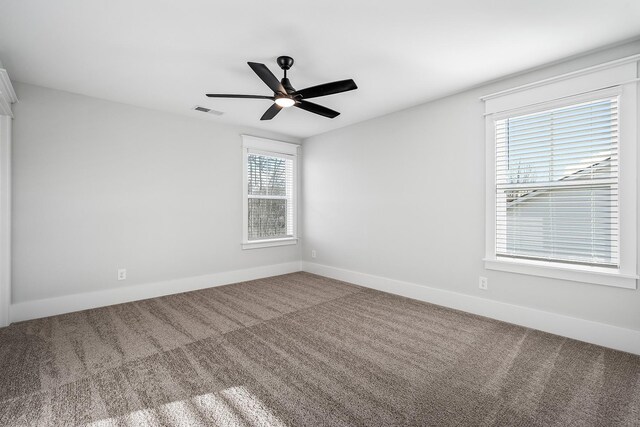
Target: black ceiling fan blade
point(267, 76)
point(318, 109)
point(271, 112)
point(327, 89)
point(222, 95)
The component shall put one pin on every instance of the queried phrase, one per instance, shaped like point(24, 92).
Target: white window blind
point(557, 184)
point(269, 196)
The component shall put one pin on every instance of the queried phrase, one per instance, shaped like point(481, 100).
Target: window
point(269, 169)
point(561, 177)
point(557, 184)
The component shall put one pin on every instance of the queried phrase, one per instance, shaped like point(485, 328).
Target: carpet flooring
point(304, 350)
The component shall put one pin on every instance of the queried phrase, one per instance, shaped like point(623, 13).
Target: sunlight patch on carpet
point(234, 406)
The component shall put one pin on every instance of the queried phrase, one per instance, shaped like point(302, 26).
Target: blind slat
point(568, 144)
point(576, 130)
point(584, 153)
point(579, 116)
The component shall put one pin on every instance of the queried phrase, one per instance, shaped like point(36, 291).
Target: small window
point(269, 169)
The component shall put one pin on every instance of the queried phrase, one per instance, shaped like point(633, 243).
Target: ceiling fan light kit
point(285, 102)
point(285, 95)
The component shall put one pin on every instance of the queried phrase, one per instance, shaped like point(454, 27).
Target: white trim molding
point(269, 145)
point(5, 219)
point(586, 274)
point(583, 72)
point(28, 310)
point(610, 336)
point(7, 97)
point(7, 94)
point(256, 244)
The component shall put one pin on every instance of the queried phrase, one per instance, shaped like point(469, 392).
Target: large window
point(562, 177)
point(269, 169)
point(557, 184)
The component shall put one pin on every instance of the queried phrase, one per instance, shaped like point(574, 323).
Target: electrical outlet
point(122, 274)
point(483, 283)
point(313, 253)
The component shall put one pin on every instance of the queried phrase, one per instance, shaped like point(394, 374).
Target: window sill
point(255, 244)
point(585, 274)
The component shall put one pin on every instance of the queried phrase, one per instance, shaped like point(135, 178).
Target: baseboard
point(69, 303)
point(580, 329)
point(584, 330)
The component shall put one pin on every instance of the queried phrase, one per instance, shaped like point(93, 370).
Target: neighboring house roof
point(600, 164)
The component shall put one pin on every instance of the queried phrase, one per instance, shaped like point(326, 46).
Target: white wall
point(403, 197)
point(99, 186)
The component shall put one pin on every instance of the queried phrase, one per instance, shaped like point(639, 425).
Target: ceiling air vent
point(208, 110)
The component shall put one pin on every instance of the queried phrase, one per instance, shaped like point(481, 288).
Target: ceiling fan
point(284, 95)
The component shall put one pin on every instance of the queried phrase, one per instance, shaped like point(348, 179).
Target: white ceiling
point(166, 55)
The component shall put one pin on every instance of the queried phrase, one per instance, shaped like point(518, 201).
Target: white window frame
point(617, 78)
point(268, 147)
point(7, 98)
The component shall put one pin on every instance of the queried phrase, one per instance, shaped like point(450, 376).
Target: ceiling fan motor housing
point(287, 85)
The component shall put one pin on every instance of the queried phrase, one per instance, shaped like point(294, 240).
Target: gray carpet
point(303, 350)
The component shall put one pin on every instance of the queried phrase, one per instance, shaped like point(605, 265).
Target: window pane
point(564, 144)
point(557, 184)
point(267, 175)
point(267, 218)
point(270, 196)
point(563, 224)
